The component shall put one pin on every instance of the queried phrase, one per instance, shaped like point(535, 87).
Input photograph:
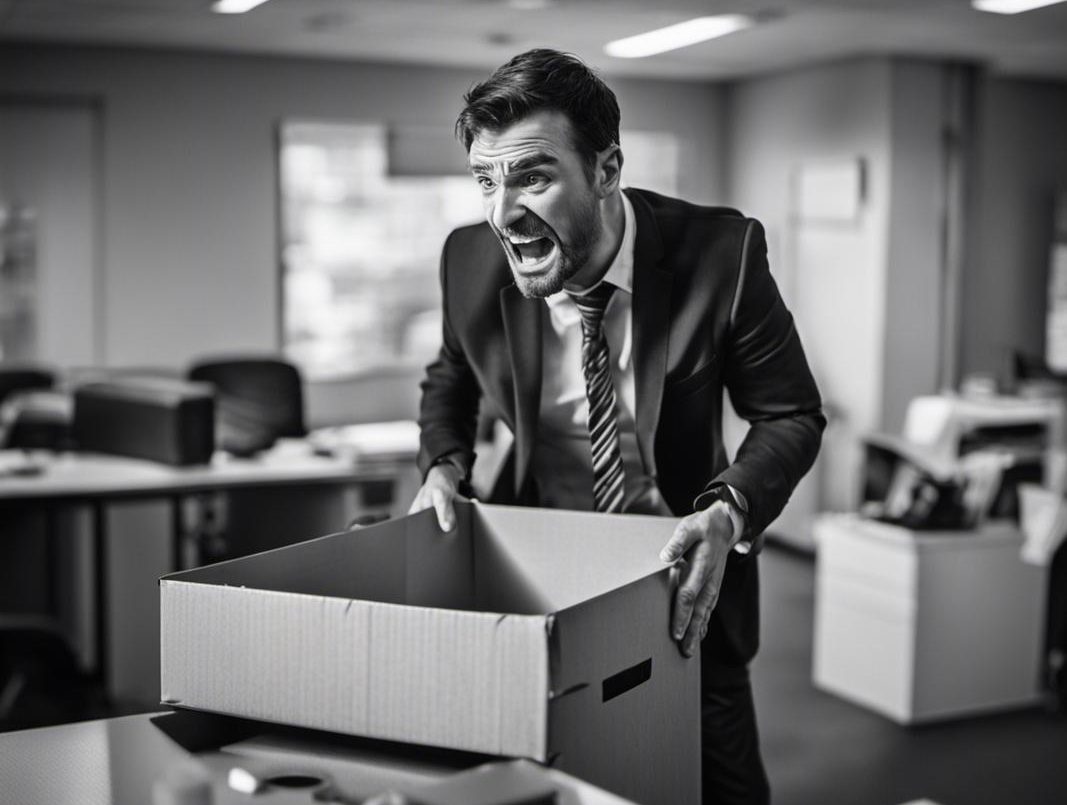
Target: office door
point(49, 232)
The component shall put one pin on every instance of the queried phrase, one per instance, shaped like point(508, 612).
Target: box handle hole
point(294, 781)
point(627, 679)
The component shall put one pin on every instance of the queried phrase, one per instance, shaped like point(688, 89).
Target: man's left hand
point(704, 538)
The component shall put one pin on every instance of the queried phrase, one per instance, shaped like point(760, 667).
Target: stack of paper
point(372, 442)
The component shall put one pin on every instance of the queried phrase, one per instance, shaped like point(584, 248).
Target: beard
point(571, 257)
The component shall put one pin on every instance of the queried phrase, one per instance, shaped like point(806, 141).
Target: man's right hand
point(439, 490)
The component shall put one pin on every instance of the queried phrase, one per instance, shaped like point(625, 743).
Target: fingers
point(689, 587)
point(698, 624)
point(685, 535)
point(696, 537)
point(420, 502)
point(446, 512)
point(423, 499)
point(438, 491)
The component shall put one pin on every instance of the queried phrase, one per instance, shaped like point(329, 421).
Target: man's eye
point(534, 179)
point(485, 182)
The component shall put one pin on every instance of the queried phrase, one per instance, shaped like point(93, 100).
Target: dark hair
point(544, 79)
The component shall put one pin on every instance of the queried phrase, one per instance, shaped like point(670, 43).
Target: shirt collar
point(621, 271)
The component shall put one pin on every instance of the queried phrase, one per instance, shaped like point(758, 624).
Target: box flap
point(405, 561)
point(561, 555)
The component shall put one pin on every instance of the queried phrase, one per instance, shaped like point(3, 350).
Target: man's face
point(537, 199)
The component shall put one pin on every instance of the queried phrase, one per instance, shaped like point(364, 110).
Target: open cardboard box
point(523, 632)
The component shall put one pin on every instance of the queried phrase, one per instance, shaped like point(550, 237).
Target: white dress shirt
point(562, 462)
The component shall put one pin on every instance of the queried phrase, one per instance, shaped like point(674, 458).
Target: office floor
point(820, 749)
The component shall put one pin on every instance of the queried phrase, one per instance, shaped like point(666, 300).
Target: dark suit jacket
point(706, 315)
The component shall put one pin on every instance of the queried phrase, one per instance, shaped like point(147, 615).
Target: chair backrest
point(24, 378)
point(258, 400)
point(29, 416)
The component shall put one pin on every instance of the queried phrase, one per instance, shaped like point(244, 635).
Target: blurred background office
point(181, 187)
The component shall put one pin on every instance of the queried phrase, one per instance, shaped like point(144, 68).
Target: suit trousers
point(731, 765)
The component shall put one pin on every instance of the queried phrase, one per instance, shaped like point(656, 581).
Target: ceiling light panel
point(681, 35)
point(1011, 6)
point(235, 6)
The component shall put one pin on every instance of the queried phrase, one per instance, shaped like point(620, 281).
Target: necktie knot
point(591, 305)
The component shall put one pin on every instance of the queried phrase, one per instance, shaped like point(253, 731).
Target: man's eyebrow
point(538, 160)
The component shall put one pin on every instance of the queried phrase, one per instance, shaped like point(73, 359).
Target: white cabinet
point(921, 625)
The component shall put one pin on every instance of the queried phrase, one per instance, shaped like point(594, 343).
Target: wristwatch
point(453, 460)
point(736, 508)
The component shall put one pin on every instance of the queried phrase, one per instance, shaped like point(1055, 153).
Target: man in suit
point(602, 326)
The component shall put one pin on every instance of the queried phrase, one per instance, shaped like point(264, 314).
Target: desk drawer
point(864, 648)
point(848, 551)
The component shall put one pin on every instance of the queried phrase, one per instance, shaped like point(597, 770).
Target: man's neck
point(614, 220)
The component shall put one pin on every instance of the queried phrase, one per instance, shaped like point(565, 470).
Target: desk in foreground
point(921, 625)
point(145, 759)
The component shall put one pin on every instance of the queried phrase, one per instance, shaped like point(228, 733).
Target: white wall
point(832, 275)
point(189, 229)
point(865, 292)
point(48, 156)
point(915, 263)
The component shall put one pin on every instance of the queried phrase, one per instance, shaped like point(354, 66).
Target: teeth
point(532, 251)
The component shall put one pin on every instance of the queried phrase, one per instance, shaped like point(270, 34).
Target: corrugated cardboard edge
point(465, 680)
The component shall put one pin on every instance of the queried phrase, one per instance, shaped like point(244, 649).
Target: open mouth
point(531, 252)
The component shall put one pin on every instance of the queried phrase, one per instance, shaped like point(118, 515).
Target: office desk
point(146, 759)
point(86, 476)
point(127, 520)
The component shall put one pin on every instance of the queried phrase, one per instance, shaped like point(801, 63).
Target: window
point(361, 239)
point(360, 250)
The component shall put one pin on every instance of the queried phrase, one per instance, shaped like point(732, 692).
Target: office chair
point(32, 414)
point(258, 400)
point(24, 378)
point(40, 682)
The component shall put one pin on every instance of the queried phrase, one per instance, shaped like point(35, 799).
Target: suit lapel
point(522, 326)
point(651, 326)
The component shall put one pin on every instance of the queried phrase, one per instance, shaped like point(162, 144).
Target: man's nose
point(507, 208)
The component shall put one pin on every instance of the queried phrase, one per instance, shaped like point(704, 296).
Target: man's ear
point(609, 170)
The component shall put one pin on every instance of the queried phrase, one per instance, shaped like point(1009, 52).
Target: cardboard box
point(524, 632)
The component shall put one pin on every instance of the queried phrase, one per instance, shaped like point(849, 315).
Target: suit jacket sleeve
point(448, 415)
point(770, 386)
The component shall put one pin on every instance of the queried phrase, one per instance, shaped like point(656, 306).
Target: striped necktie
point(600, 391)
